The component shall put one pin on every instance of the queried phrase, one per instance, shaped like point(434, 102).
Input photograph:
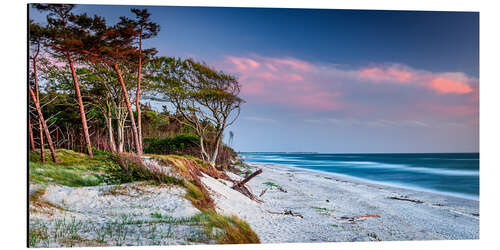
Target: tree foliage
point(102, 66)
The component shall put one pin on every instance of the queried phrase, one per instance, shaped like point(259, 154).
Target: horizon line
point(305, 152)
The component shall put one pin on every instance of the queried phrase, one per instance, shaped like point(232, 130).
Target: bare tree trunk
point(204, 154)
point(129, 107)
point(111, 139)
point(109, 124)
point(120, 139)
point(120, 124)
point(32, 140)
point(82, 111)
point(44, 125)
point(213, 158)
point(138, 95)
point(42, 148)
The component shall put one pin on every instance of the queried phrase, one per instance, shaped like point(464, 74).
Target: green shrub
point(170, 145)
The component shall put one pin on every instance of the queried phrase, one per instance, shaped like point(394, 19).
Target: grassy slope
point(77, 170)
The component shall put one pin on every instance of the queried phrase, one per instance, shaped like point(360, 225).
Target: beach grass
point(231, 229)
point(78, 170)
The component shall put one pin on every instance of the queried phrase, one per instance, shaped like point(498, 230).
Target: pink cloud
point(440, 83)
point(243, 64)
point(297, 84)
point(284, 81)
point(444, 85)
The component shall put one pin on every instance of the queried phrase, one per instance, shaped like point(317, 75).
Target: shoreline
point(360, 180)
point(327, 208)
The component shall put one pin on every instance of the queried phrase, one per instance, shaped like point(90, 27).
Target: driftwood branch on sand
point(286, 212)
point(240, 186)
point(360, 217)
point(241, 183)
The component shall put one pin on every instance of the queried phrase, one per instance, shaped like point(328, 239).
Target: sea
point(455, 174)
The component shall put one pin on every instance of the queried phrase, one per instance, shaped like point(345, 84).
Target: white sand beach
point(336, 209)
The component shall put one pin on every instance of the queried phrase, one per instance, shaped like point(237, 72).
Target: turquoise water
point(449, 173)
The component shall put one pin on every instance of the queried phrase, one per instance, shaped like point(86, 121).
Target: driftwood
point(240, 186)
point(405, 199)
point(263, 192)
point(241, 183)
point(287, 212)
point(360, 217)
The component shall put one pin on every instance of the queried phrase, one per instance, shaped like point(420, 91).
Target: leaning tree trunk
point(44, 125)
point(129, 107)
point(42, 146)
point(204, 154)
point(32, 140)
point(82, 111)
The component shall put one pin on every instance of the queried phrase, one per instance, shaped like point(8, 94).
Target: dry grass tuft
point(231, 230)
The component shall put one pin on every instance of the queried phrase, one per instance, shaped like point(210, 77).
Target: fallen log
point(240, 186)
point(241, 183)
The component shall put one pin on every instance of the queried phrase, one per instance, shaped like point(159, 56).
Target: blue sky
point(335, 80)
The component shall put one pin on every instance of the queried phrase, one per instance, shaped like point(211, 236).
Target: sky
point(334, 81)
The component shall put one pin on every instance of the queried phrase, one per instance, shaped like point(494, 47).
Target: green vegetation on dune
point(73, 169)
point(72, 176)
point(77, 170)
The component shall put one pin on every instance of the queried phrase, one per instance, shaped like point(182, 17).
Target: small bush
point(171, 145)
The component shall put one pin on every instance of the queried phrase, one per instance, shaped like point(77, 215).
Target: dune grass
point(73, 169)
point(72, 176)
point(77, 170)
point(229, 230)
